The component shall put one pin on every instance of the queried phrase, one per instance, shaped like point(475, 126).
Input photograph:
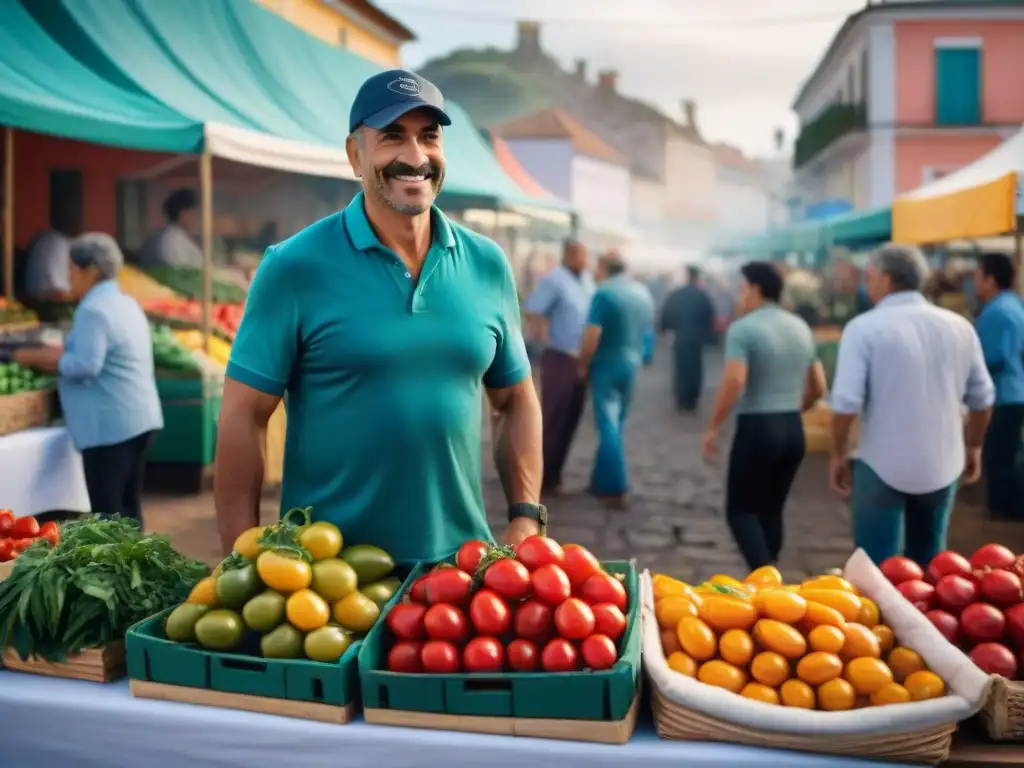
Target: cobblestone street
point(674, 522)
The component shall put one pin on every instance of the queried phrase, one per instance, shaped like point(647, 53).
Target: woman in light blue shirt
point(106, 380)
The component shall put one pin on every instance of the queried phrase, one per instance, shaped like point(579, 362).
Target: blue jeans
point(888, 522)
point(611, 386)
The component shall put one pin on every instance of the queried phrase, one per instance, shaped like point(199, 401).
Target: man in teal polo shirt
point(380, 325)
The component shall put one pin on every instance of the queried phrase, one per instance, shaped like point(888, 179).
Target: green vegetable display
point(14, 380)
point(189, 283)
point(171, 354)
point(104, 576)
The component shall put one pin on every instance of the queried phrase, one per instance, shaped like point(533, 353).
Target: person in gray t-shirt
point(771, 376)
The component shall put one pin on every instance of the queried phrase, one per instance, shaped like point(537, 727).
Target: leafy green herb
point(283, 536)
point(104, 576)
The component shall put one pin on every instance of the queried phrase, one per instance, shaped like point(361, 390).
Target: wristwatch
point(536, 512)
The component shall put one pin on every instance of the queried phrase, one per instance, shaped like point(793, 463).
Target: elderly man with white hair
point(105, 378)
point(907, 368)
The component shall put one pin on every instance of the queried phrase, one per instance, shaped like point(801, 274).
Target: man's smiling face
point(401, 165)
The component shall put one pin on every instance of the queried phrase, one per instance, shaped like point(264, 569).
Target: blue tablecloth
point(53, 723)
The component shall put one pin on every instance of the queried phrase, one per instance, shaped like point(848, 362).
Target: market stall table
point(102, 726)
point(40, 471)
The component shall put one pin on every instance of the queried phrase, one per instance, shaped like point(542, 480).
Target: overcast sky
point(742, 60)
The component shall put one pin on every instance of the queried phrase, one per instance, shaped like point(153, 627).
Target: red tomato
point(605, 588)
point(470, 554)
point(574, 620)
point(489, 613)
point(599, 652)
point(51, 532)
point(898, 569)
point(405, 620)
point(6, 523)
point(405, 657)
point(945, 564)
point(982, 623)
point(992, 556)
point(559, 656)
point(551, 584)
point(579, 564)
point(25, 528)
point(449, 585)
point(534, 621)
point(439, 657)
point(955, 592)
point(418, 590)
point(483, 654)
point(5, 550)
point(1014, 623)
point(994, 659)
point(20, 545)
point(523, 655)
point(509, 578)
point(446, 622)
point(609, 620)
point(1002, 588)
point(536, 551)
point(946, 623)
point(919, 593)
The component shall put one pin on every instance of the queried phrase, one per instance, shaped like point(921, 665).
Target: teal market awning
point(860, 228)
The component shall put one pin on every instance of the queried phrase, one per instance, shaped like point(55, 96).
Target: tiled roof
point(559, 124)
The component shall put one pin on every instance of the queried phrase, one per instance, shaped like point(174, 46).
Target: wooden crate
point(305, 710)
point(97, 665)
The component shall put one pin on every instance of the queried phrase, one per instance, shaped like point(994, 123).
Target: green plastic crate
point(606, 695)
point(191, 408)
point(153, 658)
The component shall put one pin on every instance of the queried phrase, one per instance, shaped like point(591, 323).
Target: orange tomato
point(204, 592)
point(683, 664)
point(781, 638)
point(893, 693)
point(860, 641)
point(846, 603)
point(781, 605)
point(696, 638)
point(669, 610)
point(736, 647)
point(868, 615)
point(722, 612)
point(830, 582)
point(798, 694)
point(726, 581)
point(763, 577)
point(819, 667)
point(819, 613)
point(836, 696)
point(769, 668)
point(868, 675)
point(307, 611)
point(759, 692)
point(904, 662)
point(886, 638)
point(721, 674)
point(669, 642)
point(666, 586)
point(826, 638)
point(923, 685)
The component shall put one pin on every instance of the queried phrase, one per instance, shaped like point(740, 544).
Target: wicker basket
point(918, 732)
point(1003, 714)
point(29, 409)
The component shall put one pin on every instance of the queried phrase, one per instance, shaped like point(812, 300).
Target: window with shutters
point(958, 85)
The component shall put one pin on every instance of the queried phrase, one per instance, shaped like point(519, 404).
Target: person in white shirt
point(171, 245)
point(49, 259)
point(907, 368)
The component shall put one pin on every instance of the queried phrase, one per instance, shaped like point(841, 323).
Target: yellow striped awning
point(985, 210)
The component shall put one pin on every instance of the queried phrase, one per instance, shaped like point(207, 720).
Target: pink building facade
point(908, 93)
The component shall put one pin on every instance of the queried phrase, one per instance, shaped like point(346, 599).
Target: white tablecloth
point(40, 471)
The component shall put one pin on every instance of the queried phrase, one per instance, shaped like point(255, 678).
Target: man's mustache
point(429, 169)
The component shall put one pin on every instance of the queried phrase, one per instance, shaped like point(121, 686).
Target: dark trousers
point(113, 477)
point(688, 373)
point(1004, 483)
point(766, 453)
point(563, 394)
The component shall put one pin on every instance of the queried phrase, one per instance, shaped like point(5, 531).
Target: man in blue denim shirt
point(1001, 330)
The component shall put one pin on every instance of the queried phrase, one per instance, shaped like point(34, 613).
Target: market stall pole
point(206, 206)
point(8, 198)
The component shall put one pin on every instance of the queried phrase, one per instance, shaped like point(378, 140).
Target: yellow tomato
point(722, 612)
point(670, 610)
point(868, 615)
point(886, 637)
point(830, 582)
point(924, 685)
point(904, 662)
point(860, 641)
point(819, 667)
point(307, 611)
point(696, 638)
point(763, 577)
point(781, 605)
point(247, 543)
point(867, 675)
point(666, 586)
point(726, 581)
point(798, 694)
point(818, 614)
point(356, 612)
point(736, 647)
point(204, 592)
point(846, 603)
point(826, 638)
point(721, 674)
point(893, 693)
point(836, 696)
point(769, 668)
point(322, 540)
point(781, 638)
point(759, 692)
point(282, 573)
point(683, 664)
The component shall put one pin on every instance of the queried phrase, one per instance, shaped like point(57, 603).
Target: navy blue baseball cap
point(385, 97)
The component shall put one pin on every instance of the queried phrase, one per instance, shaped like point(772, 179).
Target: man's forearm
point(842, 424)
point(519, 447)
point(975, 426)
point(728, 394)
point(238, 478)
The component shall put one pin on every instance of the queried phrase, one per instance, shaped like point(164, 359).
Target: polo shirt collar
point(902, 299)
point(365, 239)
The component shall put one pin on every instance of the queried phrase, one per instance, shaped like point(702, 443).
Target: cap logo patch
point(405, 86)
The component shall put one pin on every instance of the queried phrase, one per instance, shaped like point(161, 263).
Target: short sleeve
point(599, 307)
point(543, 298)
point(511, 364)
point(267, 343)
point(737, 343)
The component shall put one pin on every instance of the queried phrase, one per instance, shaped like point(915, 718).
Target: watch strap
point(536, 512)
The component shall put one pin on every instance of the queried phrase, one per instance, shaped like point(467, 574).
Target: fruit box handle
point(242, 664)
point(485, 684)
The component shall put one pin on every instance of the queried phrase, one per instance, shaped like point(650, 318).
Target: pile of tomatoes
point(978, 604)
point(18, 533)
point(538, 606)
